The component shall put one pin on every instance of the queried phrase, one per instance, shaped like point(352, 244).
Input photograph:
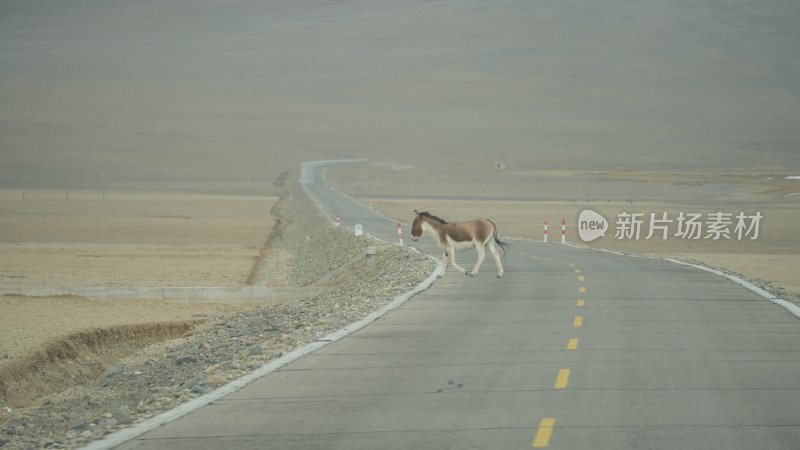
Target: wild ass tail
point(503, 245)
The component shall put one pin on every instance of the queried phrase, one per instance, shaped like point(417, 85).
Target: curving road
point(573, 349)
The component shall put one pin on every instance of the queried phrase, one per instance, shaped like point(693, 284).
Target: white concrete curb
point(792, 308)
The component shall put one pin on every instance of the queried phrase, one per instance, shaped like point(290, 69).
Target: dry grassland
point(131, 239)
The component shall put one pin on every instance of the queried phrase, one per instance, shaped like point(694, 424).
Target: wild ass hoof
point(499, 275)
point(469, 274)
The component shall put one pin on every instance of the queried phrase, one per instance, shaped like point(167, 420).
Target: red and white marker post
point(563, 231)
point(400, 233)
point(338, 220)
point(545, 231)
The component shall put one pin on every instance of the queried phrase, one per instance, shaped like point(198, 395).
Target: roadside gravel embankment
point(304, 250)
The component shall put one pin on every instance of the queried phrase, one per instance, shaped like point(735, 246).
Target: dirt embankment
point(78, 358)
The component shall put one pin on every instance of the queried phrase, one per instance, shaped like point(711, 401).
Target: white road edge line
point(791, 307)
point(114, 439)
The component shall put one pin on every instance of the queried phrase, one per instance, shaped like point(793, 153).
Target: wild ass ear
point(416, 212)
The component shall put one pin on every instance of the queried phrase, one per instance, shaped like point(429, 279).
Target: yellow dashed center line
point(544, 433)
point(572, 344)
point(562, 380)
point(547, 424)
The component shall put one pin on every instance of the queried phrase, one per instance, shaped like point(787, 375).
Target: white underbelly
point(461, 245)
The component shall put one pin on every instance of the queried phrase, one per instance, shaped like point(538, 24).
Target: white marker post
point(545, 231)
point(400, 233)
point(563, 231)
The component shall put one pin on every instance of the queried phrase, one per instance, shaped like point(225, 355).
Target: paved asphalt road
point(573, 349)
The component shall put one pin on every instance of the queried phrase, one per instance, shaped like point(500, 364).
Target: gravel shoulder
point(135, 375)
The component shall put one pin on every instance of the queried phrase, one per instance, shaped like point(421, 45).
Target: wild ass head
point(419, 219)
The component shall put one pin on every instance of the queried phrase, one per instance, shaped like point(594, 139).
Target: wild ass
point(452, 236)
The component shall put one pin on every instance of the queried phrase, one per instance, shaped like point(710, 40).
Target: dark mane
point(431, 216)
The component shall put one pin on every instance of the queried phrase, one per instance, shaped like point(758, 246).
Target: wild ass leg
point(496, 254)
point(444, 264)
point(451, 251)
point(481, 255)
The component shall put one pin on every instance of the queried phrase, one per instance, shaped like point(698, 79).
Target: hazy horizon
point(221, 90)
